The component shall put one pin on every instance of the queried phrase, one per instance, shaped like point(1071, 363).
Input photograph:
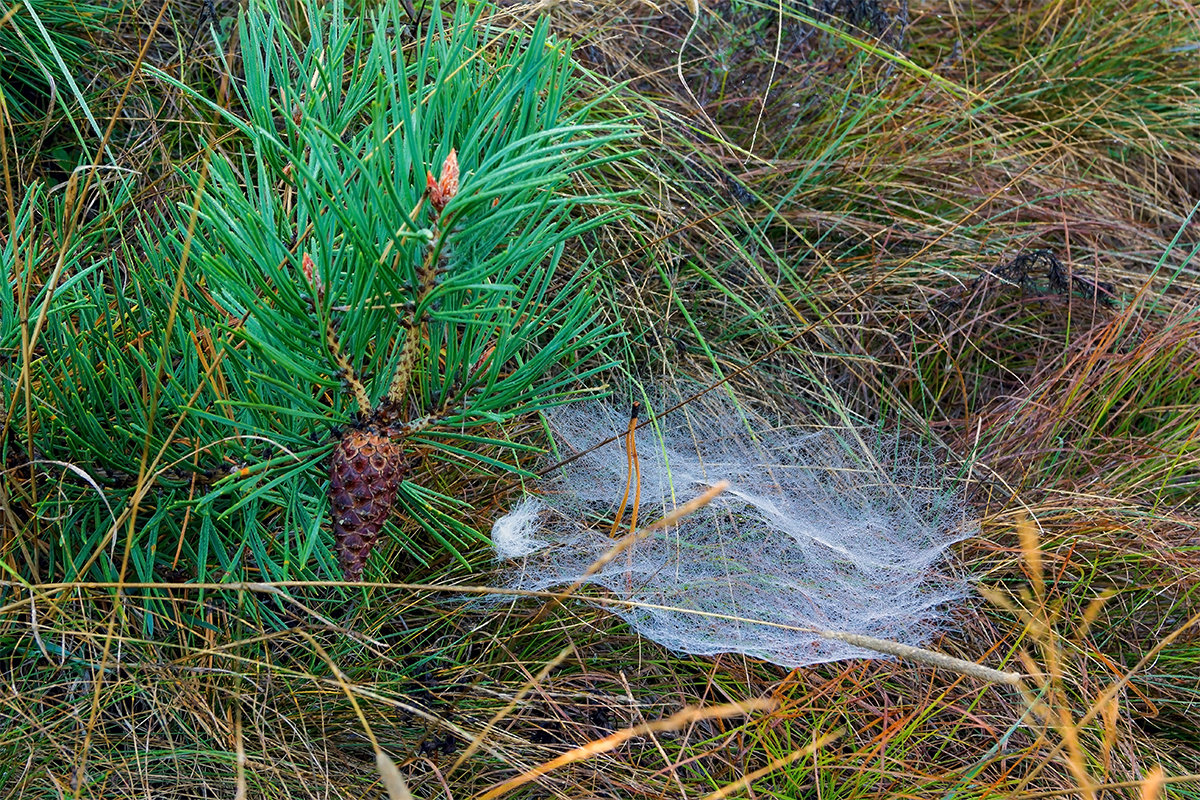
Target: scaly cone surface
point(365, 474)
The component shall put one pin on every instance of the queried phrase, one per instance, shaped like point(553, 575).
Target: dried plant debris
point(888, 24)
point(828, 529)
point(885, 22)
point(702, 178)
point(1041, 273)
point(752, 66)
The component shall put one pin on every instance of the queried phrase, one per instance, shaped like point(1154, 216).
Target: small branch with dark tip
point(345, 369)
point(633, 472)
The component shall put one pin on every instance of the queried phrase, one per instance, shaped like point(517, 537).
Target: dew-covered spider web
point(830, 529)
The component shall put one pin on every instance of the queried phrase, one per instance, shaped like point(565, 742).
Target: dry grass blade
point(1155, 784)
point(796, 755)
point(924, 656)
point(1151, 787)
point(675, 722)
point(512, 704)
point(397, 787)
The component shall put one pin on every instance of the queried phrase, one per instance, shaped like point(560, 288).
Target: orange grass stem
point(632, 468)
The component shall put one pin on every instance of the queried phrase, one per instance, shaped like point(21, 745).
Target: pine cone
point(365, 474)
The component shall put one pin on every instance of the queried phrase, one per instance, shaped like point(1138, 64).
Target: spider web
point(831, 529)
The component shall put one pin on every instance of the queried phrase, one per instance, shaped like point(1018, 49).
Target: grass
point(826, 220)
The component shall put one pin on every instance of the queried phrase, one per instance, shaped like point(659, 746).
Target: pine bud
point(442, 189)
point(314, 279)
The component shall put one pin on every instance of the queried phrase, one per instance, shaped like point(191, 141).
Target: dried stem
point(631, 467)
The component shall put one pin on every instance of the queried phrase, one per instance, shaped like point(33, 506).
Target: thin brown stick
point(631, 446)
point(933, 658)
point(628, 541)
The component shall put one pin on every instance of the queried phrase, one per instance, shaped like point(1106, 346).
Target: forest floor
point(973, 223)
